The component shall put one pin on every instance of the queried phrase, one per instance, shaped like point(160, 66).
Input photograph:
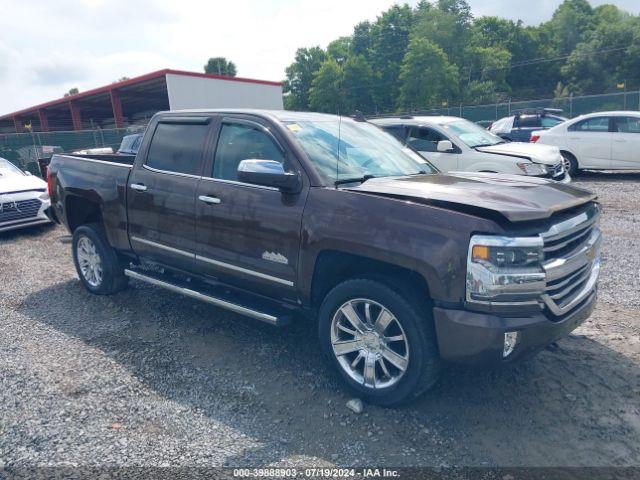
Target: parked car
point(456, 144)
point(23, 198)
point(293, 214)
point(130, 144)
point(519, 126)
point(599, 141)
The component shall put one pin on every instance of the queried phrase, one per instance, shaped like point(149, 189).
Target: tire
point(570, 164)
point(417, 352)
point(96, 261)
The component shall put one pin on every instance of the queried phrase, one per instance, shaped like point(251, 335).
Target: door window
point(424, 139)
point(177, 147)
point(596, 124)
point(396, 130)
point(628, 125)
point(242, 142)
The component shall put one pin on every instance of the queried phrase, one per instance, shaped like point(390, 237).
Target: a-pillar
point(116, 106)
point(75, 116)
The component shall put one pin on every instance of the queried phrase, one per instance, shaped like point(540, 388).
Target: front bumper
point(478, 338)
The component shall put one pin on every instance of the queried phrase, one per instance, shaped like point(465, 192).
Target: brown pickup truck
point(282, 215)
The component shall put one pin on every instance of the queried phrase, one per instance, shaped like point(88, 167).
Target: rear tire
point(387, 354)
point(96, 262)
point(570, 164)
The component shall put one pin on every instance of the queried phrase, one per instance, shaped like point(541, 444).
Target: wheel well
point(568, 154)
point(81, 211)
point(333, 267)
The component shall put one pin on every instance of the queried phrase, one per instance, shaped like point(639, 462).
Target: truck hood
point(515, 197)
point(545, 154)
point(19, 183)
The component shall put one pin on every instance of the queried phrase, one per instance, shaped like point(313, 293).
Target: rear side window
point(397, 131)
point(596, 124)
point(242, 142)
point(178, 147)
point(628, 125)
point(528, 121)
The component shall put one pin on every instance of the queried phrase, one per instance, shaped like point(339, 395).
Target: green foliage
point(72, 91)
point(436, 53)
point(220, 66)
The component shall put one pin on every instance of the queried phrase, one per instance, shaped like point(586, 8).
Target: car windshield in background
point(353, 150)
point(471, 134)
point(8, 169)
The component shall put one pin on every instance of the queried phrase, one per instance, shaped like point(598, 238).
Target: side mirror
point(444, 146)
point(268, 173)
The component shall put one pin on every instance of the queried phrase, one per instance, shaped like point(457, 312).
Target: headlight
point(533, 168)
point(505, 270)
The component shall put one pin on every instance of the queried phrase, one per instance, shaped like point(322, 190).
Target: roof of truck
point(282, 115)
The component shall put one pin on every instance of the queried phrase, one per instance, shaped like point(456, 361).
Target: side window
point(528, 121)
point(177, 147)
point(239, 142)
point(397, 131)
point(596, 124)
point(424, 139)
point(548, 122)
point(628, 124)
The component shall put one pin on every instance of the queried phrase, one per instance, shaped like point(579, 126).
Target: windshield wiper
point(354, 180)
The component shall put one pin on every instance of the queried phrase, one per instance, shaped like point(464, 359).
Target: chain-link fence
point(24, 149)
point(571, 106)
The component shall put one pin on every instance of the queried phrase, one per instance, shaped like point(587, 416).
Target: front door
point(625, 147)
point(425, 140)
point(162, 192)
point(248, 235)
point(590, 140)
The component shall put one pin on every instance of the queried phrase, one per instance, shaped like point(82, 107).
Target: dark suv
point(519, 126)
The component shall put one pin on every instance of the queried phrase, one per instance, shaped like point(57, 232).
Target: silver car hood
point(545, 154)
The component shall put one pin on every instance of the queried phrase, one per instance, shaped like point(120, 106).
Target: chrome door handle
point(138, 187)
point(209, 200)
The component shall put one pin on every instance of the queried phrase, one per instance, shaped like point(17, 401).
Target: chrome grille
point(572, 261)
point(20, 210)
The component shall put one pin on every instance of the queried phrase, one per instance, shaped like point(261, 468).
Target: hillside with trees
point(437, 54)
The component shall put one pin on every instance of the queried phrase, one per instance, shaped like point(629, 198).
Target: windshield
point(343, 150)
point(8, 169)
point(471, 134)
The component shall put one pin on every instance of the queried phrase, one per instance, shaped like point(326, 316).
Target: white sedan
point(601, 141)
point(456, 144)
point(23, 198)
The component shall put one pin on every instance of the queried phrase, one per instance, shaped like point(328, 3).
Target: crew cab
point(281, 215)
point(455, 144)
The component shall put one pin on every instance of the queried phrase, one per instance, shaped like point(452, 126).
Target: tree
point(220, 66)
point(357, 80)
point(340, 49)
point(72, 91)
point(300, 76)
point(427, 78)
point(389, 40)
point(569, 23)
point(324, 95)
point(361, 39)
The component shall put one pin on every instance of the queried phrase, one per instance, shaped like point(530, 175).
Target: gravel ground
point(147, 377)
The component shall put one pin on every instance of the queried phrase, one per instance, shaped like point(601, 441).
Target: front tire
point(570, 164)
point(96, 261)
point(381, 343)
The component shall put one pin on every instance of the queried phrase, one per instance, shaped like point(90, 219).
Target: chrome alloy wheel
point(566, 163)
point(369, 343)
point(89, 261)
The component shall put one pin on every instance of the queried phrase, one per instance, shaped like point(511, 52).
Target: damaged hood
point(537, 153)
point(19, 183)
point(516, 197)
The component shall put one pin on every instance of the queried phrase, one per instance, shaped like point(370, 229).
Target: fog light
point(510, 341)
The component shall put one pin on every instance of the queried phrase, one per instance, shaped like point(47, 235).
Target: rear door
point(162, 191)
point(249, 235)
point(590, 140)
point(425, 140)
point(625, 147)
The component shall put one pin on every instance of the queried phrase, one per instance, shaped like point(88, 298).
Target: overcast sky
point(49, 46)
